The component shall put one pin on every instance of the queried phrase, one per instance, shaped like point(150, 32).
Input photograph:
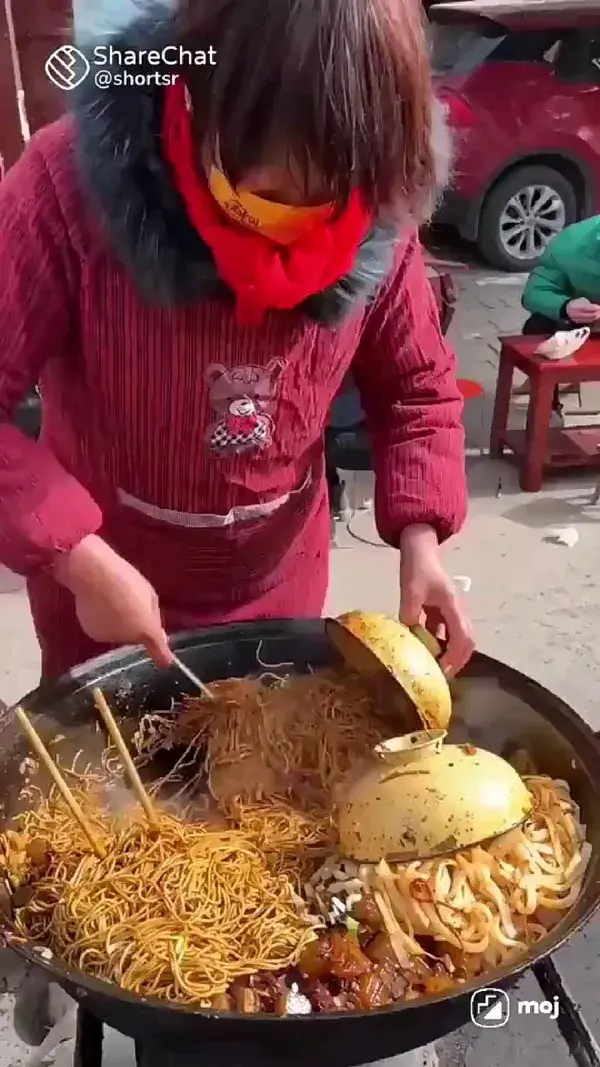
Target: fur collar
point(118, 146)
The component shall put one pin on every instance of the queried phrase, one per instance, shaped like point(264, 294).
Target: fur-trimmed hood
point(119, 153)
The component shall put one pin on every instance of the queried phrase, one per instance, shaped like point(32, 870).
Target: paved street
point(534, 603)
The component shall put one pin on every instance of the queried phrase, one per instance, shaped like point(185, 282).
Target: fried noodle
point(295, 737)
point(179, 914)
point(487, 906)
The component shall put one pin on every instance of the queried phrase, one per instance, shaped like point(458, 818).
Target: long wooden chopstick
point(117, 738)
point(40, 749)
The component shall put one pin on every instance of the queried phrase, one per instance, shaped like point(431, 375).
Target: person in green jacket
point(563, 291)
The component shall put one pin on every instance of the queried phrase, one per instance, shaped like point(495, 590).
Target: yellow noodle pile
point(178, 914)
point(292, 841)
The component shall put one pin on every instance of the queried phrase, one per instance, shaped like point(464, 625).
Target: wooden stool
point(539, 447)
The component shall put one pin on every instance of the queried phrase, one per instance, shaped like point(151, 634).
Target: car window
point(461, 49)
point(594, 66)
point(578, 60)
point(528, 46)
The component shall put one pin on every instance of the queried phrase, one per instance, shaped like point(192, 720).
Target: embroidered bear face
point(242, 398)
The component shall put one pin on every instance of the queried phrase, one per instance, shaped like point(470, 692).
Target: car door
point(574, 110)
point(498, 101)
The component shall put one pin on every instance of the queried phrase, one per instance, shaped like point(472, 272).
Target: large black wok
point(495, 706)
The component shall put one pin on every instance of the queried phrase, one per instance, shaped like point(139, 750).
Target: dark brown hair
point(343, 86)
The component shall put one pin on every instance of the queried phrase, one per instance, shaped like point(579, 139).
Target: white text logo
point(67, 67)
point(549, 1008)
point(491, 1008)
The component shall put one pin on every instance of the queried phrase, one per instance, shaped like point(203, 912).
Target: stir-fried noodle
point(178, 914)
point(294, 737)
point(489, 905)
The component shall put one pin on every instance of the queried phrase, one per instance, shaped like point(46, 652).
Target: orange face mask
point(282, 223)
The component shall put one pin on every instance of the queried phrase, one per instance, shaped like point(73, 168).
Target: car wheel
point(521, 215)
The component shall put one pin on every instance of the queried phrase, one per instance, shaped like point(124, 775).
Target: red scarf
point(260, 273)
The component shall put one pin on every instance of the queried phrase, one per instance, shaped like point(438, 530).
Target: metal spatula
point(193, 678)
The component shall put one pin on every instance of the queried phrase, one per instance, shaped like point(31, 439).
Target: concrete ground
point(534, 604)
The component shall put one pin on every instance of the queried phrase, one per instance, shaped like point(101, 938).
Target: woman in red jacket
point(192, 262)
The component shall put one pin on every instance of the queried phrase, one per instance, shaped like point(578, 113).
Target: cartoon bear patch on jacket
point(243, 399)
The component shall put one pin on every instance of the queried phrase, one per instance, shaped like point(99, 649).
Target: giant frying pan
point(496, 707)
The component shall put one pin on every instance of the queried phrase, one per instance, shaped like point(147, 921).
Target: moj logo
point(491, 1008)
point(67, 67)
point(549, 1008)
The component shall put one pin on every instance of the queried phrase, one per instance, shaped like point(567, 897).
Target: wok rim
point(101, 668)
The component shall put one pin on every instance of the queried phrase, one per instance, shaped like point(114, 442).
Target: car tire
point(490, 238)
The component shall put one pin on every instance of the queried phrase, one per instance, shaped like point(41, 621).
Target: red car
point(521, 81)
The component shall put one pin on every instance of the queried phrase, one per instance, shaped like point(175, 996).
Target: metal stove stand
point(88, 1040)
point(581, 1043)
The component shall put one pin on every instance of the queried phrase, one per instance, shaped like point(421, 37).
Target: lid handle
point(399, 751)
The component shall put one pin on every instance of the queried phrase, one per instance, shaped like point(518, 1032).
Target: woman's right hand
point(582, 311)
point(115, 604)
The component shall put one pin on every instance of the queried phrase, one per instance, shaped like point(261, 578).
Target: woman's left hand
point(428, 596)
